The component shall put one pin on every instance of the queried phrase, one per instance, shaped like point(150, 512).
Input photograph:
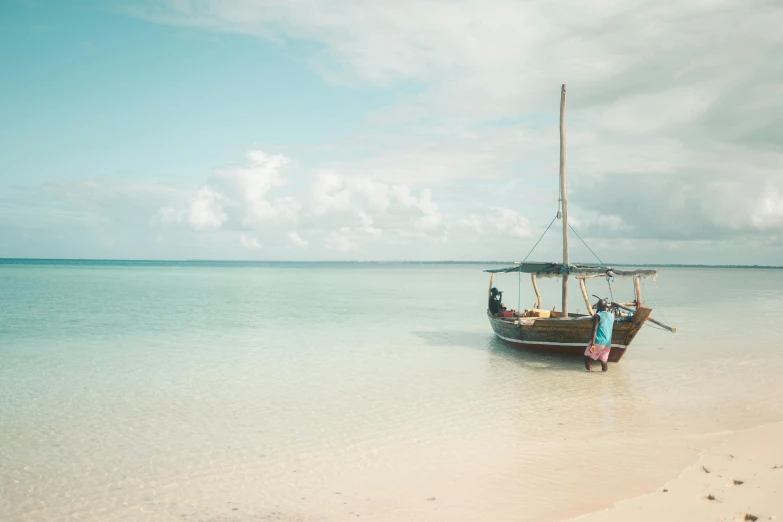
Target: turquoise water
point(242, 391)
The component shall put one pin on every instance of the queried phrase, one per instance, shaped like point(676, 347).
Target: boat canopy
point(558, 269)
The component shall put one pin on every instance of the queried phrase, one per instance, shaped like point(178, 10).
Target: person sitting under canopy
point(495, 304)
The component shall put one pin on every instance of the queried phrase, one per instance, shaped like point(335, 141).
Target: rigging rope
point(539, 239)
point(586, 245)
point(519, 285)
point(608, 278)
point(654, 301)
point(600, 262)
point(611, 294)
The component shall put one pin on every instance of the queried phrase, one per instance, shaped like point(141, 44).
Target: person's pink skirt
point(599, 352)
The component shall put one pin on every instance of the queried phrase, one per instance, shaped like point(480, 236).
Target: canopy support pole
point(638, 287)
point(583, 286)
point(539, 302)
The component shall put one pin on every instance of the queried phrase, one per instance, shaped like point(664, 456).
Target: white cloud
point(252, 185)
point(471, 223)
point(329, 194)
point(346, 211)
point(769, 214)
point(431, 219)
point(367, 224)
point(296, 240)
point(249, 242)
point(205, 211)
point(510, 222)
point(239, 195)
point(168, 215)
point(372, 205)
point(340, 240)
point(372, 212)
point(261, 212)
point(612, 222)
point(376, 195)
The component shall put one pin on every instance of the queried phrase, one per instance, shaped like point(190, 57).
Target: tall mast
point(564, 195)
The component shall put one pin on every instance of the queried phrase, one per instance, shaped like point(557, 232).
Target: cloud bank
point(675, 120)
point(677, 116)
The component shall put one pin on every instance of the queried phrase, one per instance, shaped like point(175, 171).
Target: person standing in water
point(601, 340)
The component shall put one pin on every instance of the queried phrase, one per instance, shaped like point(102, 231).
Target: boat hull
point(561, 335)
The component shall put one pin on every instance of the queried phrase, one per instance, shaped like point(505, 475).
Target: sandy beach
point(739, 478)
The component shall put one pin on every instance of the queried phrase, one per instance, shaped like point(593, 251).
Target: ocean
point(209, 391)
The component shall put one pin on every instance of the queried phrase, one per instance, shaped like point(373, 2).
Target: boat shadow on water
point(537, 361)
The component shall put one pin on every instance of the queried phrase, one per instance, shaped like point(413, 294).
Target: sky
point(380, 130)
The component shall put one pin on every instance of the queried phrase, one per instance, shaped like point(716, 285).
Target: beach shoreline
point(738, 477)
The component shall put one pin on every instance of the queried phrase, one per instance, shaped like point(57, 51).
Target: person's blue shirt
point(604, 334)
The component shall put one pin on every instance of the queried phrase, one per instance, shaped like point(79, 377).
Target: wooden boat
point(561, 331)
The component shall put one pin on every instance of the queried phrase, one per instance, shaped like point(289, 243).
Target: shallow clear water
point(220, 391)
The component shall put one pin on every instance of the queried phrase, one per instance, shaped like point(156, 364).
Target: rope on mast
point(540, 238)
point(587, 246)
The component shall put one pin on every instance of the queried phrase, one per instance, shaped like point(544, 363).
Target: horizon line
point(6, 260)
